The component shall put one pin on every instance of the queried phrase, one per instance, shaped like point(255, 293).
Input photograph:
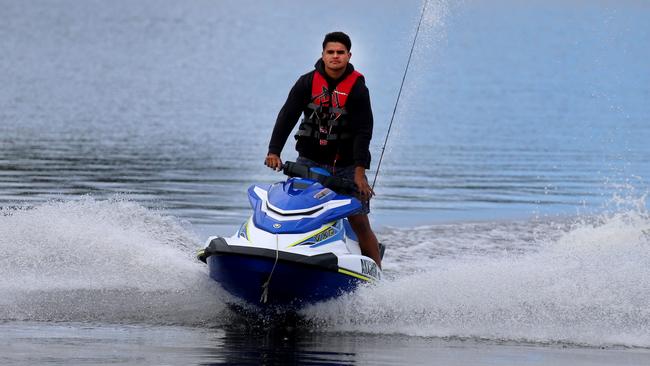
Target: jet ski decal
point(322, 194)
point(323, 236)
point(243, 230)
point(354, 274)
point(369, 268)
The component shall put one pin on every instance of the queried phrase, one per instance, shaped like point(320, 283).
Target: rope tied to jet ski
point(265, 287)
point(408, 62)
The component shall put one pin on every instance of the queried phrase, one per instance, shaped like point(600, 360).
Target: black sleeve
point(290, 113)
point(361, 117)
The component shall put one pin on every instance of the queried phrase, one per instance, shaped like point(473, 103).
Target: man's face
point(336, 56)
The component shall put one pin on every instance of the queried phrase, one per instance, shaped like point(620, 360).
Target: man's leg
point(367, 239)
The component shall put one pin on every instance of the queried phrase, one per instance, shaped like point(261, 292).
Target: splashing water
point(579, 281)
point(586, 282)
point(96, 260)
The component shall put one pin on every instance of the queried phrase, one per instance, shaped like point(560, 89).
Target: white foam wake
point(586, 283)
point(96, 260)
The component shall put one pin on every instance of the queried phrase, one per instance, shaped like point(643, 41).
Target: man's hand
point(273, 161)
point(365, 191)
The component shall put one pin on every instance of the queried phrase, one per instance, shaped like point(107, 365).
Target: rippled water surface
point(512, 195)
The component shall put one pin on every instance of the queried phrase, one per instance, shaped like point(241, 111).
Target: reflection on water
point(278, 344)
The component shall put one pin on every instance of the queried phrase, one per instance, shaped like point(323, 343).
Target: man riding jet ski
point(297, 247)
point(335, 130)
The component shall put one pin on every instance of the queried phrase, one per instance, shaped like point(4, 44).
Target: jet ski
point(297, 247)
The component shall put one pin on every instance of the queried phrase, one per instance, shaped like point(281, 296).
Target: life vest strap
point(326, 109)
point(311, 130)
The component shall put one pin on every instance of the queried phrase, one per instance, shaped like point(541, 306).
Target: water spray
point(408, 62)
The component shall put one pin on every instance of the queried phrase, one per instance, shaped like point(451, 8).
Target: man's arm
point(361, 146)
point(286, 121)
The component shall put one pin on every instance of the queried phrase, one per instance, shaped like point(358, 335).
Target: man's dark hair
point(339, 37)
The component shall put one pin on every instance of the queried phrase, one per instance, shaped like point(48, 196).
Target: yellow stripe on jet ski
point(310, 235)
point(354, 274)
point(248, 233)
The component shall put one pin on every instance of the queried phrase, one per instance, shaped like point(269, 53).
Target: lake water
point(512, 195)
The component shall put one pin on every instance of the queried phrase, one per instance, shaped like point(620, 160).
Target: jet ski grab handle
point(337, 184)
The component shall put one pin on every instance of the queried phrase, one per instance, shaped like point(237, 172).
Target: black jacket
point(354, 151)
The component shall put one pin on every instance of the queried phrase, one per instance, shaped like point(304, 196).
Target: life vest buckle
point(322, 135)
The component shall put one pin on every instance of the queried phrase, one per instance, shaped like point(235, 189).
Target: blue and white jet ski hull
point(296, 279)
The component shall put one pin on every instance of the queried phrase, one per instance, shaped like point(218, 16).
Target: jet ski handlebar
point(337, 184)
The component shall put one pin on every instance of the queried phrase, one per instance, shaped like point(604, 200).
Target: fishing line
point(383, 149)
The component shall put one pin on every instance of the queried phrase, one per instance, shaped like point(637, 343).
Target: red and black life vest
point(327, 121)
